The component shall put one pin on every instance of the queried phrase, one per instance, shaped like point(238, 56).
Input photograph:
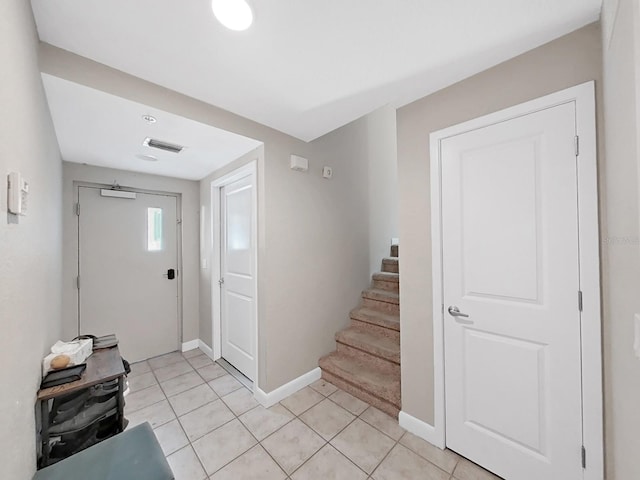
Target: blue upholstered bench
point(132, 455)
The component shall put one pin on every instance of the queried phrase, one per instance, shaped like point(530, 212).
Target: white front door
point(238, 270)
point(126, 248)
point(510, 262)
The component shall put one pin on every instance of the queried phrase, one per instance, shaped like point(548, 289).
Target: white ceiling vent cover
point(166, 146)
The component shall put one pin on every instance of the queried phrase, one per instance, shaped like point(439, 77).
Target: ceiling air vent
point(167, 147)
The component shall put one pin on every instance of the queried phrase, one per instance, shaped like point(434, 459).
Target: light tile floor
point(210, 427)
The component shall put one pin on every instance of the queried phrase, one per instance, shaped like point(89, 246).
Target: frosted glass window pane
point(154, 229)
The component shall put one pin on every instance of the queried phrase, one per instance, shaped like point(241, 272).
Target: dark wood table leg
point(121, 401)
point(44, 433)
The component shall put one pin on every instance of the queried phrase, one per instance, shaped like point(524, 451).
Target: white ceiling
point(307, 67)
point(100, 129)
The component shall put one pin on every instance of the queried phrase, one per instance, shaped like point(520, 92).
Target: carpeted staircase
point(367, 360)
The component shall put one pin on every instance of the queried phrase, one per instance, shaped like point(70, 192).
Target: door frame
point(583, 96)
point(76, 199)
point(249, 169)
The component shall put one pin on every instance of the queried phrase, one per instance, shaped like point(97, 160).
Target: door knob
point(455, 312)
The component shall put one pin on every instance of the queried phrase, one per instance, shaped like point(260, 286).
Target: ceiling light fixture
point(149, 118)
point(233, 14)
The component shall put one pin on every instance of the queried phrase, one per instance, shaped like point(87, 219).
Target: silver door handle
point(455, 312)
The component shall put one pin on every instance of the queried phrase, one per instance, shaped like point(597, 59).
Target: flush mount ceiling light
point(233, 14)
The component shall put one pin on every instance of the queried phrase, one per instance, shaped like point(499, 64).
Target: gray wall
point(620, 245)
point(382, 163)
point(565, 62)
point(30, 251)
point(313, 239)
point(313, 246)
point(189, 191)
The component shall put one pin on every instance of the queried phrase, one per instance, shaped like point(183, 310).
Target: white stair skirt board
point(190, 345)
point(421, 429)
point(269, 399)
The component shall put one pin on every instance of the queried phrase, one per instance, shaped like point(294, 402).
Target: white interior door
point(510, 262)
point(238, 270)
point(126, 248)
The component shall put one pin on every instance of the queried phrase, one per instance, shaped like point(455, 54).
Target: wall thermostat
point(18, 191)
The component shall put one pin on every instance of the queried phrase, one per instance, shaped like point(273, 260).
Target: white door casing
point(510, 261)
point(514, 239)
point(235, 322)
point(124, 286)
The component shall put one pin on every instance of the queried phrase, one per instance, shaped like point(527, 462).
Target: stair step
point(377, 386)
point(381, 296)
point(382, 300)
point(390, 265)
point(369, 342)
point(387, 277)
point(388, 281)
point(376, 317)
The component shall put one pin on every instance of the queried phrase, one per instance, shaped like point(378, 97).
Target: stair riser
point(357, 316)
point(382, 296)
point(390, 267)
point(388, 286)
point(387, 407)
point(392, 308)
point(387, 332)
point(380, 359)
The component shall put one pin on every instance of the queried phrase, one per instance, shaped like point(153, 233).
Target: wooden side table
point(102, 366)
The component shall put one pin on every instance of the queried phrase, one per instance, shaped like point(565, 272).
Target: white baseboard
point(208, 351)
point(266, 399)
point(190, 345)
point(421, 429)
point(280, 393)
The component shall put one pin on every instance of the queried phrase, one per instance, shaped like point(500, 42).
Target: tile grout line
point(236, 417)
point(328, 442)
point(158, 384)
point(294, 417)
point(190, 443)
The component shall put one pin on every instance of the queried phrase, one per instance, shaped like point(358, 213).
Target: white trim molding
point(249, 169)
point(583, 97)
point(190, 345)
point(421, 429)
point(206, 349)
point(280, 393)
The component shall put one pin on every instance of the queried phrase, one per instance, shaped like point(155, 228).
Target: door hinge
point(179, 221)
point(577, 144)
point(580, 300)
point(221, 282)
point(78, 282)
point(584, 457)
point(442, 308)
point(78, 209)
